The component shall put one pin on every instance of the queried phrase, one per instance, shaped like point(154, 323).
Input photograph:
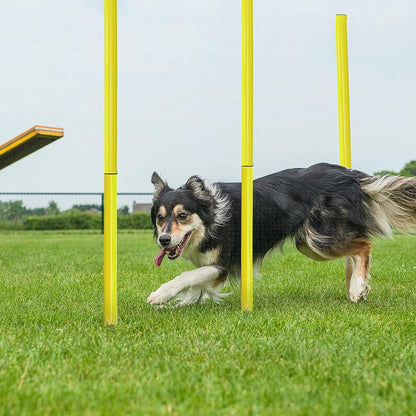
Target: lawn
point(304, 350)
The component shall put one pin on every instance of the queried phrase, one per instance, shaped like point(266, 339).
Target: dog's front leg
point(203, 277)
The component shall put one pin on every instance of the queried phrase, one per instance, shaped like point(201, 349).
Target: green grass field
point(305, 350)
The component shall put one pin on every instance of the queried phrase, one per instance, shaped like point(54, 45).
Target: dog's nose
point(164, 239)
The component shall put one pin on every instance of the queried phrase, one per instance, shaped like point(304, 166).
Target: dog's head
point(181, 216)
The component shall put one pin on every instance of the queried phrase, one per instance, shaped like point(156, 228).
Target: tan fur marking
point(160, 225)
point(357, 266)
point(176, 228)
point(162, 211)
point(178, 209)
point(358, 246)
point(178, 225)
point(221, 280)
point(199, 231)
point(351, 248)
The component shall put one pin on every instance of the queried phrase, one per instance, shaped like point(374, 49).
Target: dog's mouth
point(172, 252)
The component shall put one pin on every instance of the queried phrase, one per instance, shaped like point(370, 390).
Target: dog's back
point(324, 196)
point(327, 210)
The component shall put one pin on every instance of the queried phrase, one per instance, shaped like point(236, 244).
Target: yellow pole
point(110, 162)
point(247, 158)
point(343, 91)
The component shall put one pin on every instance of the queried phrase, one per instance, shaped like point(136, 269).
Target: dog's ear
point(159, 185)
point(198, 188)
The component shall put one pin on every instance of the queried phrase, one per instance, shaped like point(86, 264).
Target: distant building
point(138, 207)
point(93, 211)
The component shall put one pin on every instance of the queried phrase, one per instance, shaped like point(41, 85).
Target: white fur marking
point(222, 208)
point(194, 255)
point(189, 287)
point(391, 204)
point(357, 287)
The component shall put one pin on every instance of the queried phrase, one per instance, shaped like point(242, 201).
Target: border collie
point(327, 210)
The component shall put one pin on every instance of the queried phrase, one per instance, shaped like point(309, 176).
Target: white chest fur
point(201, 259)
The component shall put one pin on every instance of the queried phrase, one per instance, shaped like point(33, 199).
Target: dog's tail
point(392, 203)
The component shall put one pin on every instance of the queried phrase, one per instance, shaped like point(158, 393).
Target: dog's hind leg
point(357, 273)
point(349, 265)
point(357, 261)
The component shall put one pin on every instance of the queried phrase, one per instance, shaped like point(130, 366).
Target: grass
point(305, 350)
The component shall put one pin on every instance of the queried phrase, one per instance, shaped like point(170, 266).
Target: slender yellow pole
point(110, 162)
point(247, 158)
point(343, 91)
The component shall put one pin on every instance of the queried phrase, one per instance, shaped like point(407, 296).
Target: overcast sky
point(179, 100)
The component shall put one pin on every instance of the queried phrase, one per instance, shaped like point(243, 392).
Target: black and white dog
point(327, 210)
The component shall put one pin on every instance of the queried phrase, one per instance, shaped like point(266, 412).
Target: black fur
point(328, 197)
point(327, 208)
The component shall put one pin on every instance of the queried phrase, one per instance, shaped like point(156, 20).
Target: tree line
point(409, 169)
point(16, 211)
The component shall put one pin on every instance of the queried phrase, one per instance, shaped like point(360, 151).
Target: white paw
point(358, 289)
point(164, 294)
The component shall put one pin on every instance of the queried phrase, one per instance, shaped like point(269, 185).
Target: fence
point(80, 194)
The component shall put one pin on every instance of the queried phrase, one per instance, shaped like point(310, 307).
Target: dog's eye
point(159, 217)
point(182, 216)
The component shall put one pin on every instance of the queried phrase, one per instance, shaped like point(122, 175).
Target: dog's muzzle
point(172, 252)
point(164, 240)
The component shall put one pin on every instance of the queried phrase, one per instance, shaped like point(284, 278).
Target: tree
point(409, 169)
point(385, 172)
point(87, 207)
point(12, 211)
point(52, 208)
point(123, 210)
point(15, 211)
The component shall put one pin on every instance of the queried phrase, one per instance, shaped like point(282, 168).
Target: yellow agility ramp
point(28, 142)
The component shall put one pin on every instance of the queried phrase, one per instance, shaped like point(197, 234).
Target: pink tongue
point(159, 257)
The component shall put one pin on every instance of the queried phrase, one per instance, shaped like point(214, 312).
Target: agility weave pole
point(343, 91)
point(110, 162)
point(247, 158)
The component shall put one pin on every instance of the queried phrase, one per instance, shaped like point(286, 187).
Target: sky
point(179, 89)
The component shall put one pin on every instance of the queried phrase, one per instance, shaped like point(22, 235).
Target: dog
point(327, 210)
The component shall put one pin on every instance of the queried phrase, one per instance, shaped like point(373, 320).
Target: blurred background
point(179, 100)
